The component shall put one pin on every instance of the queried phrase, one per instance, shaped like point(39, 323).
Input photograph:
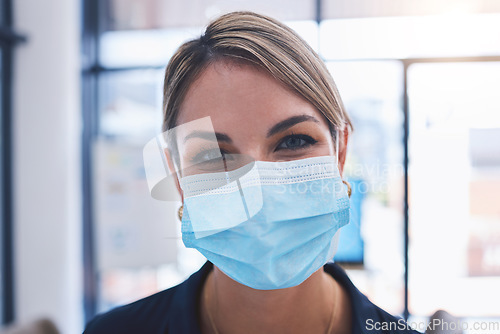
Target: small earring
point(349, 190)
point(179, 212)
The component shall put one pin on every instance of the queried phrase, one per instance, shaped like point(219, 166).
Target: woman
point(268, 225)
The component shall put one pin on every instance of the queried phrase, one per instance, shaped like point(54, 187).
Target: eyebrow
point(208, 135)
point(289, 122)
point(279, 127)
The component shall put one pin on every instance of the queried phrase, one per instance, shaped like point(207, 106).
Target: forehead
point(237, 95)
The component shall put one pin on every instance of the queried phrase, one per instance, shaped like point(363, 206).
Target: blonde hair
point(261, 41)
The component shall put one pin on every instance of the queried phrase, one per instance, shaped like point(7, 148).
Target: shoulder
point(143, 316)
point(170, 311)
point(366, 316)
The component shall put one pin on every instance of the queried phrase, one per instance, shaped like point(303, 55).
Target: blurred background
point(80, 94)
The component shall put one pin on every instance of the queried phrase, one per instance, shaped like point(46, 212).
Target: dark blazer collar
point(184, 317)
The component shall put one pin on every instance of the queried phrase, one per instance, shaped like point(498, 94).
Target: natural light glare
point(142, 47)
point(454, 188)
point(409, 37)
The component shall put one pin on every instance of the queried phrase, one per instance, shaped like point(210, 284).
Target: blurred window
point(455, 188)
point(136, 236)
point(162, 14)
point(447, 35)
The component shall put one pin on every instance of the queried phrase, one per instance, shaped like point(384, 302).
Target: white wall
point(46, 163)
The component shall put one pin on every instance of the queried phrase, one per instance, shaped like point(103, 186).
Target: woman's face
point(254, 115)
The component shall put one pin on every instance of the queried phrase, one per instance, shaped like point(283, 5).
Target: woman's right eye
point(209, 157)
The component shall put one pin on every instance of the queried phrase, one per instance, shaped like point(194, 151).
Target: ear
point(170, 163)
point(343, 140)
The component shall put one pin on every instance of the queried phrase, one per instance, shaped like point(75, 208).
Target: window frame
point(8, 40)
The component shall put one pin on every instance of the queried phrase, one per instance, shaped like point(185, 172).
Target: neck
point(236, 308)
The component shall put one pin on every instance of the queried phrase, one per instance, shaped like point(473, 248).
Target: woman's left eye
point(294, 142)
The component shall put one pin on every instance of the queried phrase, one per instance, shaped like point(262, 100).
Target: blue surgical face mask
point(267, 225)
